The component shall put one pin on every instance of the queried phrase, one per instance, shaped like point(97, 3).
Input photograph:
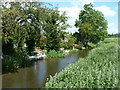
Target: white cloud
point(110, 24)
point(116, 8)
point(107, 11)
point(82, 2)
point(112, 30)
point(73, 14)
point(72, 30)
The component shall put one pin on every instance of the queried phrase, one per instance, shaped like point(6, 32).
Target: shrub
point(7, 48)
point(70, 43)
point(91, 45)
point(17, 60)
point(54, 54)
point(43, 46)
point(64, 45)
point(73, 50)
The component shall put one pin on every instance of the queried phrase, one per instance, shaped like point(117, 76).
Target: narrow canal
point(36, 75)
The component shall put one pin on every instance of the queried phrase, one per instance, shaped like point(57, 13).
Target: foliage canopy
point(92, 25)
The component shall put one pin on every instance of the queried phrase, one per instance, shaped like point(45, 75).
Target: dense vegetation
point(28, 25)
point(92, 25)
point(16, 61)
point(26, 22)
point(114, 35)
point(98, 70)
point(73, 50)
point(54, 54)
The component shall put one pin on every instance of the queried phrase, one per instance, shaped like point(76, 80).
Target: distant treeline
point(114, 35)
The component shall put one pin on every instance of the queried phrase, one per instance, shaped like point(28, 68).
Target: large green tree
point(12, 32)
point(92, 25)
point(53, 27)
point(33, 22)
point(76, 37)
point(22, 23)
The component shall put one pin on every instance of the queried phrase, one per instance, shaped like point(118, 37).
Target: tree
point(92, 25)
point(22, 23)
point(54, 24)
point(12, 33)
point(76, 37)
point(35, 18)
point(70, 43)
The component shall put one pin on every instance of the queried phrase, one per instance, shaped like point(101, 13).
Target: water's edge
point(36, 75)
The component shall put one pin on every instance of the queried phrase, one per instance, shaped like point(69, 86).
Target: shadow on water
point(36, 75)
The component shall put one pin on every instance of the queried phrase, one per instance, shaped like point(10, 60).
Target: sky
point(72, 7)
point(109, 9)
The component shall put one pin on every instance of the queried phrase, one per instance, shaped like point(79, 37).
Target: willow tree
point(92, 25)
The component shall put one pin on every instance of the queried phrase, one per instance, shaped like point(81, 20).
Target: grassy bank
point(54, 54)
point(57, 54)
point(73, 51)
point(98, 70)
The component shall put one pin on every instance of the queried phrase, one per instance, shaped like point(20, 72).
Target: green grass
point(98, 70)
point(54, 54)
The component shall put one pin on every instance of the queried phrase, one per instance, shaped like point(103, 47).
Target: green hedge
point(98, 70)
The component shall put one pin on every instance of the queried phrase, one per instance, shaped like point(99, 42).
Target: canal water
point(36, 75)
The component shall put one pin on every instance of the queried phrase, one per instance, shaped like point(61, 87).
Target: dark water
point(36, 75)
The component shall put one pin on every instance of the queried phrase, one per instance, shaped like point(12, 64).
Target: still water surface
point(36, 75)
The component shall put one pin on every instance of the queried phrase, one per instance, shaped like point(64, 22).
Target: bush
point(70, 43)
point(17, 60)
point(64, 45)
point(7, 48)
point(98, 70)
point(43, 43)
point(54, 54)
point(73, 50)
point(90, 45)
point(43, 46)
